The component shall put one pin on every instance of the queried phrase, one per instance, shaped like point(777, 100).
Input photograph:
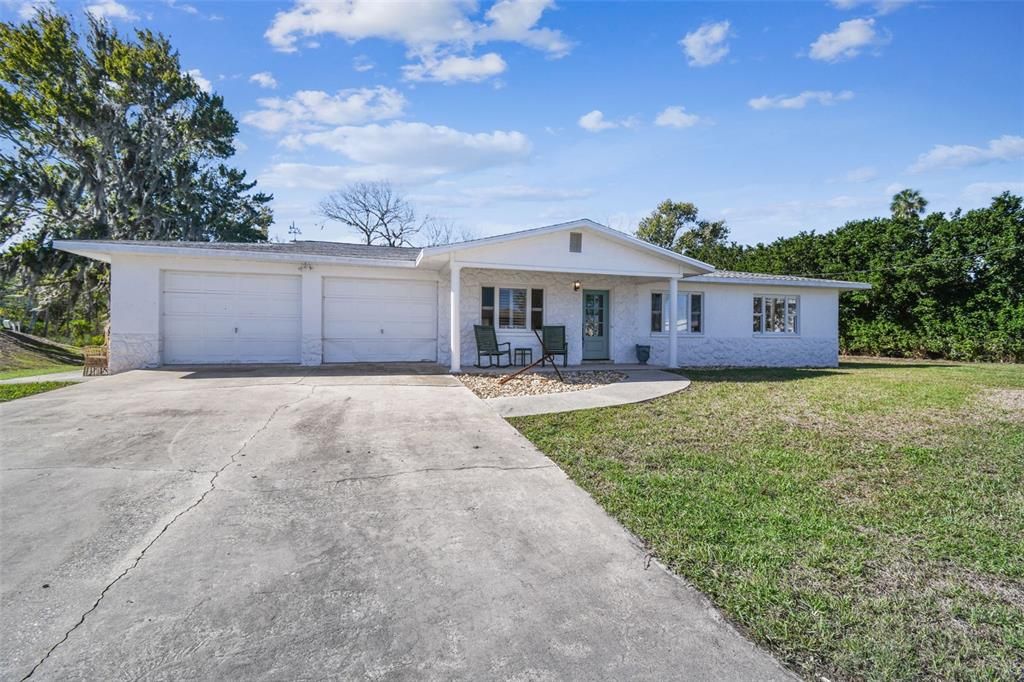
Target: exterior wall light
point(576, 285)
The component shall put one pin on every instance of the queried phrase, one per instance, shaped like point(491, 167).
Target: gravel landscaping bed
point(532, 383)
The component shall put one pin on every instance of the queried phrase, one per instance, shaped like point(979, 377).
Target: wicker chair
point(487, 346)
point(95, 360)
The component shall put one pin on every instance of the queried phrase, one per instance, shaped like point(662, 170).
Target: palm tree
point(907, 204)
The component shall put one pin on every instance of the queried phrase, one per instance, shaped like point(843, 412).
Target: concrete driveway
point(288, 524)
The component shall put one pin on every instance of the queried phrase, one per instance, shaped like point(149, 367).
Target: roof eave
point(104, 252)
point(759, 281)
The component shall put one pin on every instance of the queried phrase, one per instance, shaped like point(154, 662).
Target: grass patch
point(865, 522)
point(37, 371)
point(15, 391)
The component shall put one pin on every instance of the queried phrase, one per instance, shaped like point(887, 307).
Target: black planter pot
point(643, 354)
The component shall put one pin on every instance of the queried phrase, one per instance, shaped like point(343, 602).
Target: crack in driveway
point(212, 486)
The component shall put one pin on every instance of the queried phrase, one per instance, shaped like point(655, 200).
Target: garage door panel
point(269, 306)
point(201, 282)
point(379, 320)
point(383, 350)
point(179, 351)
point(261, 350)
point(335, 287)
point(264, 285)
point(271, 329)
point(198, 327)
point(230, 318)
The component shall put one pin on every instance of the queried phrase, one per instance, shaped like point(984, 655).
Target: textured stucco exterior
point(727, 339)
point(629, 274)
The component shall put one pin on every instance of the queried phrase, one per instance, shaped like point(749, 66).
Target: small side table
point(523, 356)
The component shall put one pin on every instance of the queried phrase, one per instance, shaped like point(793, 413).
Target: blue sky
point(776, 117)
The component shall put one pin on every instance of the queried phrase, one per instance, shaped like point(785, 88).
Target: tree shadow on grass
point(895, 363)
point(755, 374)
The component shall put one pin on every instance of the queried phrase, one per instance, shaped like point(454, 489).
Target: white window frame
point(529, 307)
point(764, 332)
point(684, 301)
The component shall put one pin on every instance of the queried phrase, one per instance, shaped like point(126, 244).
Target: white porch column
point(455, 333)
point(673, 322)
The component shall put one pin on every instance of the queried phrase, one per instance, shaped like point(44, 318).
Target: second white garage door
point(379, 320)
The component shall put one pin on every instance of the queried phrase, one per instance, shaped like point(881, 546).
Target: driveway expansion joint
point(138, 559)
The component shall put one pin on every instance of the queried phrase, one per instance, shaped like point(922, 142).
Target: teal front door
point(595, 324)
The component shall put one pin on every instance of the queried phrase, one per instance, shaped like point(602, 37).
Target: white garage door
point(379, 320)
point(211, 317)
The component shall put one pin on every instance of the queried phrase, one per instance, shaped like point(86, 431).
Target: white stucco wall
point(727, 339)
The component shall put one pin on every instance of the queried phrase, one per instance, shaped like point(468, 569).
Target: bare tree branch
point(380, 214)
point(440, 231)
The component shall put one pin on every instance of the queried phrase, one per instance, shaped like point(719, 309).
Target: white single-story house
point(312, 302)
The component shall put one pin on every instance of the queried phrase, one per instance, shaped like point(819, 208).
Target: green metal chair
point(487, 346)
point(553, 343)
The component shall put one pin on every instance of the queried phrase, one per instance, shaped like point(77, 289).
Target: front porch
point(605, 315)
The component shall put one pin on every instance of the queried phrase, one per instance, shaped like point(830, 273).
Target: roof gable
point(548, 248)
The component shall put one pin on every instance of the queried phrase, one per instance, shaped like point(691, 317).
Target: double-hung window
point(514, 308)
point(690, 312)
point(775, 314)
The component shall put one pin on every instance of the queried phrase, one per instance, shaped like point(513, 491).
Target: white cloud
point(1005, 148)
point(434, 33)
point(462, 196)
point(414, 152)
point(706, 45)
point(264, 79)
point(984, 191)
point(183, 7)
point(595, 122)
point(362, 63)
point(204, 84)
point(862, 174)
point(515, 21)
point(847, 41)
point(305, 176)
point(454, 69)
point(881, 6)
point(110, 9)
point(27, 9)
point(676, 117)
point(311, 109)
point(823, 97)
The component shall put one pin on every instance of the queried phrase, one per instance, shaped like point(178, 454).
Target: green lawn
point(861, 523)
point(37, 371)
point(15, 391)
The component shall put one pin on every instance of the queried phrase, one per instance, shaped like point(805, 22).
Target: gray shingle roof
point(311, 248)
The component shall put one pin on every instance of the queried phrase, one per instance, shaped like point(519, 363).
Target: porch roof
point(736, 277)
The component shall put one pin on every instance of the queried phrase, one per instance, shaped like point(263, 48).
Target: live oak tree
point(104, 136)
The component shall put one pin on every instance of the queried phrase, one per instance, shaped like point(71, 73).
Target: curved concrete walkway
point(640, 385)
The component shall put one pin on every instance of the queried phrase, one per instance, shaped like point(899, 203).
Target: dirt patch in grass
point(1009, 401)
point(531, 383)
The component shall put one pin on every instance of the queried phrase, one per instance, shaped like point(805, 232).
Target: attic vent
point(575, 242)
